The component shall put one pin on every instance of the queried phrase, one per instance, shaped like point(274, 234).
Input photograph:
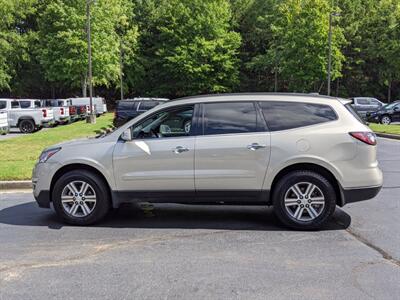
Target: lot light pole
point(91, 118)
point(331, 15)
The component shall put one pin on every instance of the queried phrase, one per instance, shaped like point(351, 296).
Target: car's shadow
point(169, 216)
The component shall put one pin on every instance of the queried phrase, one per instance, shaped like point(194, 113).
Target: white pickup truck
point(99, 104)
point(4, 128)
point(60, 110)
point(26, 115)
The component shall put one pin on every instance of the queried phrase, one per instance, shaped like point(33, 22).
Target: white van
point(99, 104)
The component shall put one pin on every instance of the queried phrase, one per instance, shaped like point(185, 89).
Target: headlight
point(47, 154)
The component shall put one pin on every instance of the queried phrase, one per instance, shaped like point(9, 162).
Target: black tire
point(100, 187)
point(288, 181)
point(386, 116)
point(27, 126)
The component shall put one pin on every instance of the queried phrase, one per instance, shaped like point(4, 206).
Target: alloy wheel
point(78, 199)
point(386, 120)
point(304, 201)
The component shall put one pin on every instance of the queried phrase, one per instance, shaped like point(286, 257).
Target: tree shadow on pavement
point(168, 216)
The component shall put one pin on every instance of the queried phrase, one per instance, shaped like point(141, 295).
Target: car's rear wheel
point(386, 120)
point(304, 200)
point(27, 126)
point(81, 198)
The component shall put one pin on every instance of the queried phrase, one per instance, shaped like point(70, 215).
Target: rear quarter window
point(354, 113)
point(281, 115)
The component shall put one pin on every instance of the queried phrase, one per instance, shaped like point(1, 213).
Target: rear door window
point(229, 117)
point(3, 104)
point(25, 104)
point(287, 115)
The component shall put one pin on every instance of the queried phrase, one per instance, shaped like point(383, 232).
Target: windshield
point(390, 105)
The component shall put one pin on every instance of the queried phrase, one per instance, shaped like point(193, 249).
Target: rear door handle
point(255, 146)
point(180, 149)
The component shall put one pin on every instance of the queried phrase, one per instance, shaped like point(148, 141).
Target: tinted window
point(3, 104)
point(25, 104)
point(229, 117)
point(37, 103)
point(146, 105)
point(14, 104)
point(287, 115)
point(128, 105)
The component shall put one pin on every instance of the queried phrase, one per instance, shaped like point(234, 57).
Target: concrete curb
point(388, 135)
point(15, 185)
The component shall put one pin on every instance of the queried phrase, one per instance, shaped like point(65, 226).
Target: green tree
point(295, 33)
point(13, 37)
point(187, 47)
point(62, 41)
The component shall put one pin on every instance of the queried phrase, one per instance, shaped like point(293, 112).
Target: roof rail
point(311, 95)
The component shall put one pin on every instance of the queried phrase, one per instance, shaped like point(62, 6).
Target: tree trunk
point(389, 96)
point(276, 80)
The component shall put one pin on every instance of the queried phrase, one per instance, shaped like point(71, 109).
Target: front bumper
point(41, 182)
point(358, 194)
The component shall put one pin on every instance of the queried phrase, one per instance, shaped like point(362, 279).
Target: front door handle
point(255, 146)
point(180, 149)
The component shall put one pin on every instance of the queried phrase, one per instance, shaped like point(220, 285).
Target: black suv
point(386, 115)
point(130, 108)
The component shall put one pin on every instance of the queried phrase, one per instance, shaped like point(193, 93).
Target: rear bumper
point(358, 194)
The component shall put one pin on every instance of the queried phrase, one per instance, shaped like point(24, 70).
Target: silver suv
point(302, 154)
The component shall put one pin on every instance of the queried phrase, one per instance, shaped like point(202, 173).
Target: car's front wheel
point(304, 200)
point(81, 197)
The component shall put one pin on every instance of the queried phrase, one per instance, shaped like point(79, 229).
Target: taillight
point(44, 113)
point(365, 137)
point(62, 110)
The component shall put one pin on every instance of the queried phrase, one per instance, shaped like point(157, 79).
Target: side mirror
point(127, 135)
point(396, 108)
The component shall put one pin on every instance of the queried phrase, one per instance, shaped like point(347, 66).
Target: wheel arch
point(78, 166)
point(26, 118)
point(315, 168)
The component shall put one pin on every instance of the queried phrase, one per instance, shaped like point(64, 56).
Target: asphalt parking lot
point(204, 252)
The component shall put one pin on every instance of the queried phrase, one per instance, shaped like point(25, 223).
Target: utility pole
point(92, 116)
point(121, 71)
point(330, 54)
point(331, 15)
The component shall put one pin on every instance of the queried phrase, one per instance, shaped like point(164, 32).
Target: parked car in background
point(4, 127)
point(386, 114)
point(47, 112)
point(301, 154)
point(128, 109)
point(27, 120)
point(364, 105)
point(60, 112)
point(99, 104)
